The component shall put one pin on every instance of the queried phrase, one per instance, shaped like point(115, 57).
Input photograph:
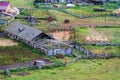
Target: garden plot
point(95, 36)
point(113, 34)
point(7, 42)
point(61, 35)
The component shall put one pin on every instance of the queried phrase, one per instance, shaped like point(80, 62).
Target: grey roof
point(23, 31)
point(51, 44)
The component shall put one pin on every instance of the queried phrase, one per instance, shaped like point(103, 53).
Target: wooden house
point(37, 39)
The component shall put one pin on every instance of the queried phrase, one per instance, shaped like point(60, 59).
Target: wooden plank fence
point(100, 44)
point(88, 54)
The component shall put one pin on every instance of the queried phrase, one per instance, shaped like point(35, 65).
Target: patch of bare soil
point(7, 42)
point(95, 36)
point(61, 35)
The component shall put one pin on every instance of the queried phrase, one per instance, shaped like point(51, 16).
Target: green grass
point(94, 69)
point(103, 49)
point(60, 16)
point(17, 54)
point(20, 3)
point(107, 18)
point(113, 34)
point(81, 33)
point(40, 13)
point(89, 10)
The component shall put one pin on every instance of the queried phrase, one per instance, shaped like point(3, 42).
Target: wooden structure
point(66, 21)
point(37, 39)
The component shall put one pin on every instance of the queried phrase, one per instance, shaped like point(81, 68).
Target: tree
point(38, 1)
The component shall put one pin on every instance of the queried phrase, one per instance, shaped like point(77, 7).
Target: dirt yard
point(7, 42)
point(61, 35)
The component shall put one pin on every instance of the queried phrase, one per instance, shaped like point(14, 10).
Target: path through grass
point(95, 69)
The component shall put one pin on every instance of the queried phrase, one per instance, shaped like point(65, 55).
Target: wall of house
point(8, 8)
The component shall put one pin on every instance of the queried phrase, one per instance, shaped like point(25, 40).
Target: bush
point(59, 55)
point(54, 65)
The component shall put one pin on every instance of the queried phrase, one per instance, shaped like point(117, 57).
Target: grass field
point(16, 54)
point(20, 3)
point(81, 33)
point(94, 69)
point(103, 49)
point(113, 34)
point(89, 10)
point(60, 16)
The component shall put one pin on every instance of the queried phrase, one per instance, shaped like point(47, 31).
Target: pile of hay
point(117, 11)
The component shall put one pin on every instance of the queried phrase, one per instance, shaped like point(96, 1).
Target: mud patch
point(7, 42)
point(61, 35)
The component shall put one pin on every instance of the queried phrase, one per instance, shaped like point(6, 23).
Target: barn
point(37, 39)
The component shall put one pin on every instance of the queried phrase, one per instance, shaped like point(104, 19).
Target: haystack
point(117, 11)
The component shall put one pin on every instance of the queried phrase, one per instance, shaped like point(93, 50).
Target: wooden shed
point(37, 39)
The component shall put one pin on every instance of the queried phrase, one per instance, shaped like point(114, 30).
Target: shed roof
point(3, 5)
point(23, 31)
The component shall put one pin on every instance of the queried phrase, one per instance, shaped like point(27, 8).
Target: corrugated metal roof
point(23, 31)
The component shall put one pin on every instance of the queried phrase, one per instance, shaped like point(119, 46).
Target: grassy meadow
point(20, 3)
point(89, 10)
point(81, 33)
point(16, 54)
point(84, 69)
point(103, 49)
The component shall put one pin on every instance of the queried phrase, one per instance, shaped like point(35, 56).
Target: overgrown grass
point(81, 33)
point(17, 54)
point(94, 69)
point(40, 13)
point(103, 49)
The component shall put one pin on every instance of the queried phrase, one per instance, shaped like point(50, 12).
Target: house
point(4, 7)
point(37, 39)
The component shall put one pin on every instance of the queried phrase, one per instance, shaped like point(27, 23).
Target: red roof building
point(4, 6)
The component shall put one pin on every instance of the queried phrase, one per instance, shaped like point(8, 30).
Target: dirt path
point(74, 21)
point(21, 65)
point(7, 42)
point(95, 36)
